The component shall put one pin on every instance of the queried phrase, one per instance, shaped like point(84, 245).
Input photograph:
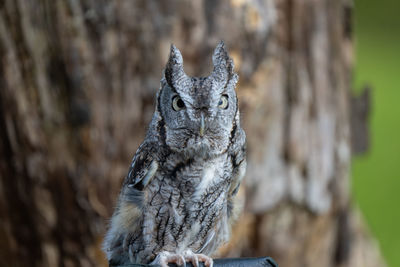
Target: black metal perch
point(229, 262)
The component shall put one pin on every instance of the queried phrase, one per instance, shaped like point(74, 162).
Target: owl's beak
point(202, 125)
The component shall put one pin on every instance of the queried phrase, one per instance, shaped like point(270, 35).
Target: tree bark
point(77, 86)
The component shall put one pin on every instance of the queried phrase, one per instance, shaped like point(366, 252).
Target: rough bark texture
point(77, 86)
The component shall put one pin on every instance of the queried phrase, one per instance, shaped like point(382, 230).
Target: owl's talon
point(165, 257)
point(191, 257)
point(208, 262)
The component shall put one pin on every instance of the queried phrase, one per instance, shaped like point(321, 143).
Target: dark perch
point(237, 262)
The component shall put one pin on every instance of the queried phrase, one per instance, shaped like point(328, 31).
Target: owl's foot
point(165, 257)
point(195, 258)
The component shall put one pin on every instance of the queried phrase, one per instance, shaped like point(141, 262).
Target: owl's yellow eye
point(223, 102)
point(177, 103)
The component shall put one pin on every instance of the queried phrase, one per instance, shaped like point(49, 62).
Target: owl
point(177, 202)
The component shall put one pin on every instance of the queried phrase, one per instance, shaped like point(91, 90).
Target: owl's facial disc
point(198, 112)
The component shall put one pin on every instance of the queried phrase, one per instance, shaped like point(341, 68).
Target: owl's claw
point(191, 257)
point(195, 258)
point(208, 262)
point(165, 257)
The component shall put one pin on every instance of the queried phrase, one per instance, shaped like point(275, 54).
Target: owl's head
point(200, 114)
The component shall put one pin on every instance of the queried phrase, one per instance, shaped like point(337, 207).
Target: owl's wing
point(238, 159)
point(143, 168)
point(128, 213)
point(239, 168)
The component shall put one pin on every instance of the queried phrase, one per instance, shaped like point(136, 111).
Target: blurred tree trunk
point(77, 86)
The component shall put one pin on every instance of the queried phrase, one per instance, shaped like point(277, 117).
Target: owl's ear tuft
point(223, 64)
point(175, 56)
point(174, 72)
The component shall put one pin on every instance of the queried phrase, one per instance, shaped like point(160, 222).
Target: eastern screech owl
point(177, 201)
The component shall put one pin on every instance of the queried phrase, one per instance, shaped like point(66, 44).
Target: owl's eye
point(223, 102)
point(177, 103)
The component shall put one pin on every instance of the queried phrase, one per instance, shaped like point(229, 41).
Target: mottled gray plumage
point(178, 194)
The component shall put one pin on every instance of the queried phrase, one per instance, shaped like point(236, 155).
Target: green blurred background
point(376, 175)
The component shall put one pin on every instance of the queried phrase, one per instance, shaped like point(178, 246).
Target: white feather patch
point(206, 179)
point(190, 235)
point(150, 173)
